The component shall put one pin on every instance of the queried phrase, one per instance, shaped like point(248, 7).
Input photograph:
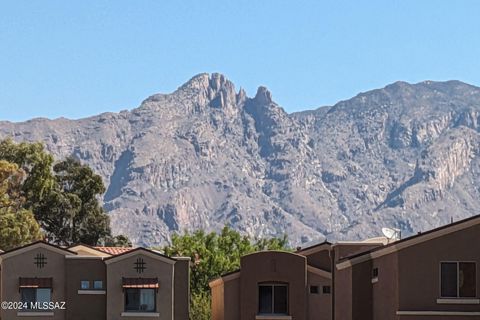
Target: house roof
point(224, 277)
point(114, 250)
point(314, 246)
point(40, 243)
point(407, 242)
point(151, 253)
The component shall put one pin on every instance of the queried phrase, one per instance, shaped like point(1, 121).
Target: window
point(375, 273)
point(272, 299)
point(84, 284)
point(32, 295)
point(142, 300)
point(326, 289)
point(314, 289)
point(458, 279)
point(98, 284)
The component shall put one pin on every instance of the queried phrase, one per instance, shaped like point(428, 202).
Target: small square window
point(326, 289)
point(98, 284)
point(314, 289)
point(375, 273)
point(85, 284)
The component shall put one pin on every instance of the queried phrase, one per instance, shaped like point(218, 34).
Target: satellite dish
point(391, 234)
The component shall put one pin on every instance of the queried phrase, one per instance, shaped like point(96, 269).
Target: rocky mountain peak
point(405, 156)
point(263, 96)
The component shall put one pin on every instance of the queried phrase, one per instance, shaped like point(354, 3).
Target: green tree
point(37, 166)
point(212, 255)
point(17, 225)
point(64, 197)
point(72, 213)
point(117, 241)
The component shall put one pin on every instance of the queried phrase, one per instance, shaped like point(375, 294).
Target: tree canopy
point(212, 255)
point(17, 225)
point(64, 197)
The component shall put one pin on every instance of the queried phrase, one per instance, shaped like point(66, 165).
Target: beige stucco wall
point(155, 268)
point(273, 266)
point(320, 304)
point(85, 269)
point(343, 294)
point(182, 289)
point(419, 270)
point(22, 265)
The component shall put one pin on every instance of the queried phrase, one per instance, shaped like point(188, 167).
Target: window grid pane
point(466, 280)
point(265, 297)
point(147, 300)
point(280, 302)
point(449, 279)
point(98, 284)
point(44, 295)
point(85, 284)
point(28, 295)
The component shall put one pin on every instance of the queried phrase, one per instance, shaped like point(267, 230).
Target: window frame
point(139, 291)
point(81, 284)
point(314, 289)
point(273, 285)
point(96, 281)
point(457, 262)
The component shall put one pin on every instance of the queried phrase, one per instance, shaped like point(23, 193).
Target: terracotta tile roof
point(114, 250)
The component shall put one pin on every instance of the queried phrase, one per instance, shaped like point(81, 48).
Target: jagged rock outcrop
point(207, 155)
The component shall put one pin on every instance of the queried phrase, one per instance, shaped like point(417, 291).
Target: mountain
point(404, 156)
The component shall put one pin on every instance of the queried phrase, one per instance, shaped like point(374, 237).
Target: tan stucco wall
point(125, 268)
point(22, 265)
point(321, 260)
point(85, 269)
point(182, 289)
point(343, 294)
point(232, 298)
point(271, 266)
point(419, 269)
point(217, 304)
point(319, 305)
point(385, 290)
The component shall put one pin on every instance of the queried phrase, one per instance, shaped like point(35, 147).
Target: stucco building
point(429, 276)
point(43, 281)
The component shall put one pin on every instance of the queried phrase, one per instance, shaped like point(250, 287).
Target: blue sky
point(74, 59)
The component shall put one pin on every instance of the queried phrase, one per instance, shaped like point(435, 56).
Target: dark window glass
point(132, 299)
point(28, 295)
point(140, 300)
point(32, 295)
point(273, 299)
point(467, 279)
point(449, 279)
point(265, 299)
point(280, 303)
point(326, 289)
point(375, 273)
point(314, 289)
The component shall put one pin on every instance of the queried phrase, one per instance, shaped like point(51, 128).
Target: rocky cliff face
point(404, 156)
